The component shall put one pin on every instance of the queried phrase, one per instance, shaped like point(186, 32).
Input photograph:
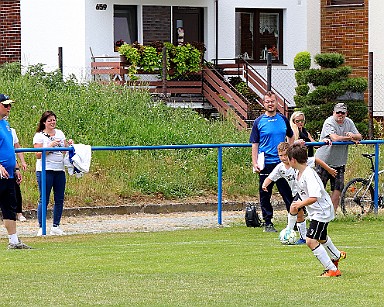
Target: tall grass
point(111, 115)
point(101, 115)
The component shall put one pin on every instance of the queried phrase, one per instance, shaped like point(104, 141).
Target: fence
point(219, 166)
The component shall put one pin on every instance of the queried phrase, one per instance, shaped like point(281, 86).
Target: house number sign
point(101, 6)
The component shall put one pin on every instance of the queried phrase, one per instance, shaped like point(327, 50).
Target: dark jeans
point(54, 180)
point(265, 197)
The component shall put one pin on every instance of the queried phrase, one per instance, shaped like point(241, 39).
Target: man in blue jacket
point(7, 181)
point(268, 131)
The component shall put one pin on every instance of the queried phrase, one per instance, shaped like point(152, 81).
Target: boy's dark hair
point(298, 152)
point(283, 146)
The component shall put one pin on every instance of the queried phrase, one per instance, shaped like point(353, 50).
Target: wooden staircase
point(206, 89)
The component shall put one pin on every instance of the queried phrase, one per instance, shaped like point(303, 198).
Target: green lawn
point(230, 266)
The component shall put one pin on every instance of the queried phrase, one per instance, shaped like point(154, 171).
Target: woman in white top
point(48, 136)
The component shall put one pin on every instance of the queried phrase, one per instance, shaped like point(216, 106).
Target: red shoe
point(329, 273)
point(343, 255)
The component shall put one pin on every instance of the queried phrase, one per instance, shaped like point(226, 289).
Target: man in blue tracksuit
point(268, 131)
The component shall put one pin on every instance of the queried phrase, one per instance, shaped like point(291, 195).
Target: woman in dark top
point(297, 124)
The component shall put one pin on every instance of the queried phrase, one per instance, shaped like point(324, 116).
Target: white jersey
point(310, 185)
point(55, 159)
point(281, 171)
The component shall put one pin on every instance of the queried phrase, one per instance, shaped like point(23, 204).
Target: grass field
point(229, 266)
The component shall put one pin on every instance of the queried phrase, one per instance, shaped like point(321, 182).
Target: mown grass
point(230, 266)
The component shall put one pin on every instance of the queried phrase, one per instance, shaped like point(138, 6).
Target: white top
point(55, 159)
point(281, 171)
point(14, 136)
point(310, 185)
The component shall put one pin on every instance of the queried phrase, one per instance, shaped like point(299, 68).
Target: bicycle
point(357, 197)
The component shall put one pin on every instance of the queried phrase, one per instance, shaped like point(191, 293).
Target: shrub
point(329, 60)
point(302, 61)
point(302, 90)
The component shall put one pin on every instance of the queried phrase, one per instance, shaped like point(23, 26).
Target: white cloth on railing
point(78, 161)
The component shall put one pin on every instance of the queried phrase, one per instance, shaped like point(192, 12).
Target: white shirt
point(310, 185)
point(55, 159)
point(280, 171)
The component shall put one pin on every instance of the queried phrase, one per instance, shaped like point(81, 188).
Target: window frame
point(256, 41)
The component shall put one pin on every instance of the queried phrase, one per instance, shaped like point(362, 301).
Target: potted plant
point(132, 56)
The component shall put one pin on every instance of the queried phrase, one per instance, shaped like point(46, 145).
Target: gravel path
point(140, 222)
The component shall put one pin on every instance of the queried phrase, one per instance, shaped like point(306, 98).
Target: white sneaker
point(21, 218)
point(56, 231)
point(40, 232)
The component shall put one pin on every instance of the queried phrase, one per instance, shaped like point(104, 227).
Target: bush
point(327, 75)
point(329, 60)
point(302, 90)
point(302, 61)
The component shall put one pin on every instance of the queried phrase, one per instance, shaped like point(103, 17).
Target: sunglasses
point(8, 105)
point(340, 112)
point(299, 121)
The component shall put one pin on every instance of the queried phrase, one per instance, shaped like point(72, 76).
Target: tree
point(319, 89)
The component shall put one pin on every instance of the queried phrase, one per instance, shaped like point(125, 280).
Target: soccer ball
point(288, 236)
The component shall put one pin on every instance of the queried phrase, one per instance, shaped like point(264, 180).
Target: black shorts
point(337, 183)
point(317, 230)
point(8, 199)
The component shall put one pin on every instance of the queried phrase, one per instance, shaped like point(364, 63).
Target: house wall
point(376, 46)
point(78, 27)
point(345, 30)
point(10, 28)
point(48, 25)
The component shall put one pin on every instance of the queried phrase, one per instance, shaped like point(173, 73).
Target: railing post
point(219, 184)
point(376, 191)
point(43, 180)
point(164, 71)
point(269, 71)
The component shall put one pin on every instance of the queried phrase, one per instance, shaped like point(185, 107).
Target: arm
point(324, 165)
point(266, 183)
point(21, 157)
point(302, 203)
point(18, 176)
point(255, 150)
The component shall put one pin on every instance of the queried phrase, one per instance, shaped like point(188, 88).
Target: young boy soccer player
point(320, 211)
point(284, 170)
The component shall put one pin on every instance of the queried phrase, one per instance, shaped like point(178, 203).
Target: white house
point(227, 28)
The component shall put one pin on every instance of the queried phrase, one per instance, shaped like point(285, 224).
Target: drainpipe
point(217, 31)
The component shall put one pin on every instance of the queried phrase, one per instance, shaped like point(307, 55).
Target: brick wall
point(10, 31)
point(344, 30)
point(156, 24)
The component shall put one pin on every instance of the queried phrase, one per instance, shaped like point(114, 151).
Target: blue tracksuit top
point(269, 132)
point(7, 151)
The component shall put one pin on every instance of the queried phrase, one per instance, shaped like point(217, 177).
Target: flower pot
point(123, 59)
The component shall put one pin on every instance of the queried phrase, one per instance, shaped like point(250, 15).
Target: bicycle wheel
point(357, 197)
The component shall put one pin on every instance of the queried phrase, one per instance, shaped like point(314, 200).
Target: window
point(259, 32)
point(346, 2)
point(125, 24)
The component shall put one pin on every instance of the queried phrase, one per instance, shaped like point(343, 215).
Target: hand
point(19, 177)
point(256, 169)
point(24, 166)
point(3, 173)
point(264, 188)
point(296, 205)
point(327, 141)
point(332, 172)
point(54, 143)
point(70, 142)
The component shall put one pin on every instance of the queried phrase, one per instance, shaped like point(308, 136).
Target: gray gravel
point(139, 222)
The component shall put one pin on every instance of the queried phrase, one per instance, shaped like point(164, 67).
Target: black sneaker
point(269, 228)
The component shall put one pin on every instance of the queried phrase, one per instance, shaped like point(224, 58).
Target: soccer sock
point(321, 254)
point(13, 239)
point(332, 250)
point(291, 221)
point(302, 227)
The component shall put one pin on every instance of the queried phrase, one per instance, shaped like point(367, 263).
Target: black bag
point(252, 218)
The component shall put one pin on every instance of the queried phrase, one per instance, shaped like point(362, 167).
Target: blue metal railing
point(219, 165)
